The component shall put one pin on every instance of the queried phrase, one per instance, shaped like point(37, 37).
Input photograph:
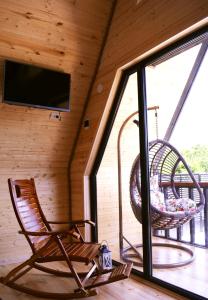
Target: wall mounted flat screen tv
point(35, 86)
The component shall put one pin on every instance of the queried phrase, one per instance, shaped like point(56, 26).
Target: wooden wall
point(137, 27)
point(64, 35)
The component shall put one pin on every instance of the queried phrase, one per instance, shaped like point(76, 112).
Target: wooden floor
point(129, 289)
point(192, 277)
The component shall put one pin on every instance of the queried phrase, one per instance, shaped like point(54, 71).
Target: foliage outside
point(197, 159)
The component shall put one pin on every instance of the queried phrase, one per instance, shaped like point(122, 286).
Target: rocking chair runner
point(48, 246)
point(164, 159)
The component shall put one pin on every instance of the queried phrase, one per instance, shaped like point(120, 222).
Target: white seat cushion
point(181, 204)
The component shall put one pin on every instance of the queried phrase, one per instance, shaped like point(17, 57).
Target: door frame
point(139, 67)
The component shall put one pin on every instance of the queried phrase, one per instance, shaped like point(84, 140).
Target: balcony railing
point(194, 232)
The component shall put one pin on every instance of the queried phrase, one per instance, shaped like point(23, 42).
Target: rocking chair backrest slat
point(28, 211)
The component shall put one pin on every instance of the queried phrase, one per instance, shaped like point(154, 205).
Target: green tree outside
point(197, 159)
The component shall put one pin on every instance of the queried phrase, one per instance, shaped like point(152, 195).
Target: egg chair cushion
point(156, 196)
point(172, 205)
point(181, 204)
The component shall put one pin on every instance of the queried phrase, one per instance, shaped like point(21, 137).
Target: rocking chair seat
point(76, 251)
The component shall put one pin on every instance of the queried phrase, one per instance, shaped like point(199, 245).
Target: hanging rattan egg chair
point(164, 161)
point(171, 205)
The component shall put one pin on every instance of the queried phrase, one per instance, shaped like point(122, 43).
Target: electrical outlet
point(55, 116)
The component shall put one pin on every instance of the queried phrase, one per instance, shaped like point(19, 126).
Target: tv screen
point(35, 86)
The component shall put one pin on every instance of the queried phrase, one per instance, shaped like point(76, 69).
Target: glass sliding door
point(152, 169)
point(116, 221)
point(177, 83)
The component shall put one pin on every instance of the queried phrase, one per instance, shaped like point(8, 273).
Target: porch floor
point(192, 277)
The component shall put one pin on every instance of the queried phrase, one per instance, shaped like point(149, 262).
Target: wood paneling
point(136, 28)
point(64, 35)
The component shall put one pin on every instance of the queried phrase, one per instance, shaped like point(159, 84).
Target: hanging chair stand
point(137, 259)
point(163, 158)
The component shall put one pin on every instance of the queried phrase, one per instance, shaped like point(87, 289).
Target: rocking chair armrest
point(51, 233)
point(75, 222)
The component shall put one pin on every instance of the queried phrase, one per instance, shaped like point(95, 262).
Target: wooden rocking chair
point(48, 246)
